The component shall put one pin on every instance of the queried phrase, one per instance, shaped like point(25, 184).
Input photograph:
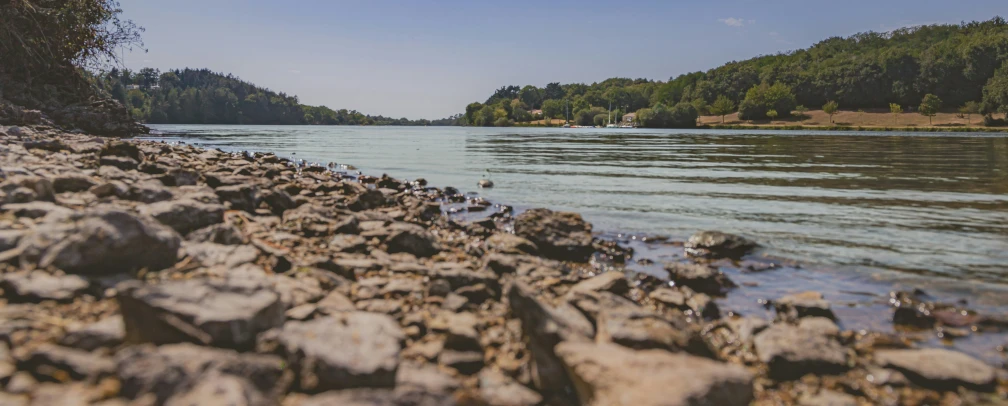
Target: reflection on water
point(918, 204)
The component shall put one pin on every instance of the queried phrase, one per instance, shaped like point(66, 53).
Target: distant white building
point(155, 87)
point(132, 87)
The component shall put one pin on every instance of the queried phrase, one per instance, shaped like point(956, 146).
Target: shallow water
point(931, 204)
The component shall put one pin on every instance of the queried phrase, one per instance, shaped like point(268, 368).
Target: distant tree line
point(191, 96)
point(959, 65)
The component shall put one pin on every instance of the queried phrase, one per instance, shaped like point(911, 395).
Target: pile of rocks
point(156, 274)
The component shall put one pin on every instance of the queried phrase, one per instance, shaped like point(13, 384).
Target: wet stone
point(669, 297)
point(35, 286)
point(227, 313)
point(608, 374)
point(940, 369)
point(701, 278)
point(506, 243)
point(558, 235)
point(101, 241)
point(747, 327)
point(805, 304)
point(346, 350)
point(613, 282)
point(792, 352)
point(716, 245)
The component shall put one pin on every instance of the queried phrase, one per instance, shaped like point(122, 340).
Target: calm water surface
point(893, 205)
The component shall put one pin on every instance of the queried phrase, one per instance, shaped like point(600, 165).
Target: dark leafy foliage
point(46, 46)
point(682, 115)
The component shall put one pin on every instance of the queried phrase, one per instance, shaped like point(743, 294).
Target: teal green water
point(901, 203)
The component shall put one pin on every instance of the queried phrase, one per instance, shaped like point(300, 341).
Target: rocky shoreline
point(143, 273)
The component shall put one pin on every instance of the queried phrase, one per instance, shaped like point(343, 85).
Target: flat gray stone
point(177, 372)
point(210, 254)
point(228, 313)
point(499, 389)
point(940, 369)
point(804, 304)
point(828, 398)
point(348, 243)
point(225, 234)
point(609, 374)
point(613, 282)
point(346, 350)
point(558, 235)
point(100, 241)
point(77, 364)
point(72, 182)
point(185, 215)
point(107, 332)
point(701, 278)
point(507, 243)
point(791, 352)
point(412, 239)
point(35, 286)
point(36, 209)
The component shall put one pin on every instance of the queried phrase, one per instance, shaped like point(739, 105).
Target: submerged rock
point(715, 245)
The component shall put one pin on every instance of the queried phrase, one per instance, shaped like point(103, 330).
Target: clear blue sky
point(425, 59)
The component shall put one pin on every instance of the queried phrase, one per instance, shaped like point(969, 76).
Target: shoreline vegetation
point(166, 273)
point(923, 70)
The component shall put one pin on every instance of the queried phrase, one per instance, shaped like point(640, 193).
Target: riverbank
point(297, 285)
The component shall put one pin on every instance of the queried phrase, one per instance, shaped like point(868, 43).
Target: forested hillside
point(965, 64)
point(191, 96)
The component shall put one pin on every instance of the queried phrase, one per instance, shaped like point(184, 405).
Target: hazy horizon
point(429, 61)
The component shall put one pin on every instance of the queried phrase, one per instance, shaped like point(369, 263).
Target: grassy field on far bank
point(869, 119)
